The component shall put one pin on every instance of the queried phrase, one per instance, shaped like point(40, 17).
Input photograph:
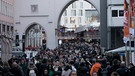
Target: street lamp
point(17, 40)
point(23, 42)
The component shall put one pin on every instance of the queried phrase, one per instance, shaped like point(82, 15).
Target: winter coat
point(123, 71)
point(32, 67)
point(95, 68)
point(66, 73)
point(17, 71)
point(132, 71)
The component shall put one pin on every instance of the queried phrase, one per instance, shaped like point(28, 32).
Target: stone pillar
point(103, 23)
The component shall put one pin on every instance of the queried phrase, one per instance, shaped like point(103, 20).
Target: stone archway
point(68, 6)
point(35, 37)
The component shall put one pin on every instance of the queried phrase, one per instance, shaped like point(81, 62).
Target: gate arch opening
point(89, 23)
point(35, 37)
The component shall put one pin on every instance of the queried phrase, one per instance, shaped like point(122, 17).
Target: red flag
point(126, 18)
point(131, 15)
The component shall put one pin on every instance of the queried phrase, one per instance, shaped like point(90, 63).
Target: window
point(80, 13)
point(3, 4)
point(74, 5)
point(8, 28)
point(114, 13)
point(6, 9)
point(34, 8)
point(81, 4)
point(11, 11)
point(121, 13)
point(4, 30)
point(72, 19)
point(0, 6)
point(73, 12)
point(65, 13)
point(0, 28)
point(12, 29)
point(66, 20)
point(89, 13)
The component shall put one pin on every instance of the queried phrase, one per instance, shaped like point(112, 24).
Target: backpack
point(32, 72)
point(104, 71)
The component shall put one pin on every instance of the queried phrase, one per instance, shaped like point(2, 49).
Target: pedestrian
point(16, 69)
point(66, 70)
point(123, 70)
point(46, 73)
point(114, 74)
point(32, 70)
point(24, 66)
point(95, 68)
point(131, 69)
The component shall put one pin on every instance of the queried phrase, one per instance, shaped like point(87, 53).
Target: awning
point(121, 49)
point(80, 29)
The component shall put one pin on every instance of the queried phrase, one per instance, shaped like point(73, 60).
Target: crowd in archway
point(69, 59)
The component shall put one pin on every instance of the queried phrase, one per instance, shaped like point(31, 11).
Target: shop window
point(114, 13)
point(121, 13)
point(72, 19)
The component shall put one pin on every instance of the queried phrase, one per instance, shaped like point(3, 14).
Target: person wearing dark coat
point(123, 70)
point(131, 69)
point(83, 70)
point(46, 73)
point(16, 69)
point(103, 66)
point(43, 66)
point(38, 65)
point(24, 66)
point(115, 66)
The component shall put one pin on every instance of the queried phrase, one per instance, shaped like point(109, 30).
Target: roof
point(121, 49)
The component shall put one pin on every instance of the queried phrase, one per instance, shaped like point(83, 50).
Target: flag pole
point(126, 54)
point(134, 33)
point(128, 57)
point(129, 23)
point(126, 29)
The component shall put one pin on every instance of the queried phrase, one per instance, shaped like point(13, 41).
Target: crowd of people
point(68, 59)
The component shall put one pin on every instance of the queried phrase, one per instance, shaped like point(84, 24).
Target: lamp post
point(23, 42)
point(17, 40)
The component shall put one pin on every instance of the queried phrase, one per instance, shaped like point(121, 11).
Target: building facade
point(28, 21)
point(115, 17)
point(6, 27)
point(43, 13)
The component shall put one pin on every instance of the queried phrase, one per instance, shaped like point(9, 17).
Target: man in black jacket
point(131, 69)
point(123, 70)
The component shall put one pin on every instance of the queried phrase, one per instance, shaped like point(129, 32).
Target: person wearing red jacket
point(95, 68)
